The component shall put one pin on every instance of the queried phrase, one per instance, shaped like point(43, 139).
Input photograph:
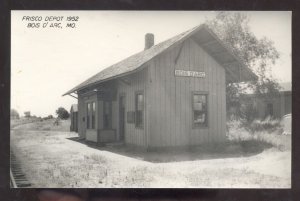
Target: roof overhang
point(236, 70)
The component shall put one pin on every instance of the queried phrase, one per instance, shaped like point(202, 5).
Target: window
point(139, 109)
point(93, 114)
point(88, 112)
point(107, 115)
point(90, 115)
point(200, 110)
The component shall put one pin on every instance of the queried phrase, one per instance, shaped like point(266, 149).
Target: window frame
point(137, 93)
point(89, 115)
point(93, 115)
point(195, 125)
point(110, 115)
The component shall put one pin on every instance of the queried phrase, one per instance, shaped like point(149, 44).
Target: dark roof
point(134, 62)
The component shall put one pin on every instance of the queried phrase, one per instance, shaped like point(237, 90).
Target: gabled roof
point(202, 35)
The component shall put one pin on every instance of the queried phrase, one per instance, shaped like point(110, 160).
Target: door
point(122, 117)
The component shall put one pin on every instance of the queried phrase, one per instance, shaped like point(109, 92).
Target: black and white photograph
point(151, 99)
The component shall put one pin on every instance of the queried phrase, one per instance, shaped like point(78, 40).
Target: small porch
point(101, 114)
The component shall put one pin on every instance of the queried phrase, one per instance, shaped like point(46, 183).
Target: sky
point(47, 62)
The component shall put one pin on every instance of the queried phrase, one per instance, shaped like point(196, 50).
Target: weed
point(268, 124)
point(95, 158)
point(267, 131)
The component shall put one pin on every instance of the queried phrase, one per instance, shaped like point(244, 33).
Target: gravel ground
point(52, 159)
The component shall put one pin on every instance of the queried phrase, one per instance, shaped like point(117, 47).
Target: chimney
point(149, 40)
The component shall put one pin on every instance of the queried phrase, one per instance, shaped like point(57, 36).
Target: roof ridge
point(132, 56)
point(134, 62)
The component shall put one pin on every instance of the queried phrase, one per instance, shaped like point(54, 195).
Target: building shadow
point(201, 152)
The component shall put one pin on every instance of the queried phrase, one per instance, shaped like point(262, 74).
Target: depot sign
point(187, 73)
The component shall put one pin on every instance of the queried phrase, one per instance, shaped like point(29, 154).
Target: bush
point(237, 132)
point(268, 124)
point(248, 114)
point(282, 142)
point(48, 117)
point(62, 113)
point(266, 131)
point(14, 114)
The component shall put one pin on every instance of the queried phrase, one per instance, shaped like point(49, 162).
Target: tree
point(27, 114)
point(62, 113)
point(14, 114)
point(258, 54)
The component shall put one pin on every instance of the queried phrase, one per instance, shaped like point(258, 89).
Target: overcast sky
point(47, 62)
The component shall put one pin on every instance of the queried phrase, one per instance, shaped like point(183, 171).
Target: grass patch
point(268, 124)
point(44, 125)
point(214, 177)
point(267, 131)
point(95, 158)
point(50, 160)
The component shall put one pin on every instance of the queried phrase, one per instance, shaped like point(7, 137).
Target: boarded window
point(139, 109)
point(200, 118)
point(107, 115)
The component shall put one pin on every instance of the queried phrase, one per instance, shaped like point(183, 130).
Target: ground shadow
point(203, 152)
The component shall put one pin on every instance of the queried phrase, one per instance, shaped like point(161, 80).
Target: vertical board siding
point(170, 115)
point(100, 114)
point(81, 114)
point(89, 134)
point(281, 105)
point(151, 100)
point(133, 135)
point(115, 114)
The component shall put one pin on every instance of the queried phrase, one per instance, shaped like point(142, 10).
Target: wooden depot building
point(170, 94)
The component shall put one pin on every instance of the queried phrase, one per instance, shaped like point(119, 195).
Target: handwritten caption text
point(57, 22)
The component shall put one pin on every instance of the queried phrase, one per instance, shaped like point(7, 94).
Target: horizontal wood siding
point(136, 82)
point(170, 97)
